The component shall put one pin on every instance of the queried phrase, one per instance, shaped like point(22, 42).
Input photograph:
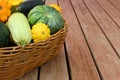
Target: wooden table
point(92, 46)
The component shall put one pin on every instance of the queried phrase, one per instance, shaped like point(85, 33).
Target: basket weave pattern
point(16, 61)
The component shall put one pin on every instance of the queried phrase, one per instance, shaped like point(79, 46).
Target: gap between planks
point(80, 60)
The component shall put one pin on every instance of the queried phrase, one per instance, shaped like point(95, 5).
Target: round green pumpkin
point(4, 35)
point(48, 15)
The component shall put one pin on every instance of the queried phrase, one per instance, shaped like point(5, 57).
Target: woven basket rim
point(13, 48)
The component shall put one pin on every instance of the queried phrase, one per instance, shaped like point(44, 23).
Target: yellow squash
point(40, 31)
point(15, 2)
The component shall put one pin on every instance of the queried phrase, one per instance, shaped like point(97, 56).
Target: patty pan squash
point(40, 31)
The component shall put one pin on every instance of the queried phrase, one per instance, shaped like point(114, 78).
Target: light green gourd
point(20, 29)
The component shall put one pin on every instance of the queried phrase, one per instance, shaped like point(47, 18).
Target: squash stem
point(23, 43)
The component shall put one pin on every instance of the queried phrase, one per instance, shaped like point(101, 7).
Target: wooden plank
point(106, 20)
point(80, 61)
point(51, 2)
point(57, 68)
point(33, 75)
point(104, 55)
point(113, 28)
point(111, 10)
point(115, 3)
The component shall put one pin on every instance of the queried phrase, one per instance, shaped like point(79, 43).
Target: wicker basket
point(16, 61)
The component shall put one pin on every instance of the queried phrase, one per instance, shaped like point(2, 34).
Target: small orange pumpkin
point(5, 11)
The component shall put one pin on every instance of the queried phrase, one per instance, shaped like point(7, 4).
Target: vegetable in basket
point(20, 29)
point(26, 6)
point(56, 7)
point(15, 2)
point(40, 31)
point(5, 11)
point(4, 35)
point(47, 15)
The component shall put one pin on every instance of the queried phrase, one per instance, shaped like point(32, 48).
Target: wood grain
point(104, 55)
point(80, 60)
point(47, 2)
point(107, 24)
point(115, 3)
point(55, 69)
point(33, 75)
point(112, 11)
